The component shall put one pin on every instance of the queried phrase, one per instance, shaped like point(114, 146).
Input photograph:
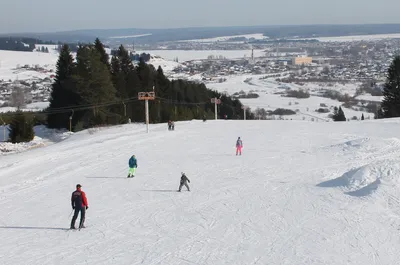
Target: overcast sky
point(58, 15)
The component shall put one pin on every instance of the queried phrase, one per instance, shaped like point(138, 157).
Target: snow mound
point(351, 144)
point(9, 148)
point(364, 180)
point(364, 147)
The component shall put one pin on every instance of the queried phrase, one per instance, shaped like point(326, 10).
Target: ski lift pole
point(124, 108)
point(216, 101)
point(70, 121)
point(4, 129)
point(146, 96)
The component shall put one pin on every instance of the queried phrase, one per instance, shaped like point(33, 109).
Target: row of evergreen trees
point(94, 90)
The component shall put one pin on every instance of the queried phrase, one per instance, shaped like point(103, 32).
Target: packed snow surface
point(301, 193)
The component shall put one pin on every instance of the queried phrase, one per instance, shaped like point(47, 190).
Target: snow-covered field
point(130, 36)
point(51, 47)
point(36, 106)
point(266, 89)
point(12, 61)
point(257, 36)
point(301, 193)
point(357, 38)
point(166, 65)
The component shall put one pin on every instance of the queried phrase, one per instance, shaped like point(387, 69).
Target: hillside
point(301, 193)
point(34, 73)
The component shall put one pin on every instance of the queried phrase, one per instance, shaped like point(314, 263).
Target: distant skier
point(184, 181)
point(171, 125)
point(239, 146)
point(79, 204)
point(132, 166)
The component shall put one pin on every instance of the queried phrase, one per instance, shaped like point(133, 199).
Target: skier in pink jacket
point(239, 146)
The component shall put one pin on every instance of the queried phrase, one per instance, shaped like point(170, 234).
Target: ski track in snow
point(295, 196)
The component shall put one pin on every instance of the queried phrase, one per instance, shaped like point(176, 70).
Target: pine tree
point(362, 117)
point(93, 85)
point(127, 83)
point(104, 58)
point(21, 128)
point(338, 114)
point(391, 91)
point(62, 94)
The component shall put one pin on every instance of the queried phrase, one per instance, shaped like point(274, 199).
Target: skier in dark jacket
point(79, 204)
point(184, 181)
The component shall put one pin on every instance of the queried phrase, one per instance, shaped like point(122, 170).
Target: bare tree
point(261, 113)
point(17, 97)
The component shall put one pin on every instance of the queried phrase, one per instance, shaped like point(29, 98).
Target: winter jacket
point(239, 143)
point(79, 200)
point(132, 162)
point(184, 179)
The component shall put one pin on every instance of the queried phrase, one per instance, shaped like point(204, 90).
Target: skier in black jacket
point(184, 181)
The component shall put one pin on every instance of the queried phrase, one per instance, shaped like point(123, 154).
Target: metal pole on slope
point(146, 96)
point(244, 111)
point(4, 129)
point(124, 108)
point(216, 109)
point(216, 101)
point(146, 108)
point(70, 121)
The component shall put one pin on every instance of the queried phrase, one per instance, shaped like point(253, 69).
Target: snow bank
point(43, 137)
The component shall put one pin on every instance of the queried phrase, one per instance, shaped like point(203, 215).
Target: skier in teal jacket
point(132, 166)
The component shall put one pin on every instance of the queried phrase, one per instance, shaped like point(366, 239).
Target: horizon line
point(193, 27)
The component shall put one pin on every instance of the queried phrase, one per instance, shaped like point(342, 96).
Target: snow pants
point(238, 150)
point(83, 212)
point(184, 184)
point(132, 171)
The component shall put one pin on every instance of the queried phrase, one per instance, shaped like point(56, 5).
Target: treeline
point(135, 56)
point(20, 44)
point(73, 47)
point(94, 90)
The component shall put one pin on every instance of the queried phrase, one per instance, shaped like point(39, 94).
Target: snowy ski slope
point(302, 193)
